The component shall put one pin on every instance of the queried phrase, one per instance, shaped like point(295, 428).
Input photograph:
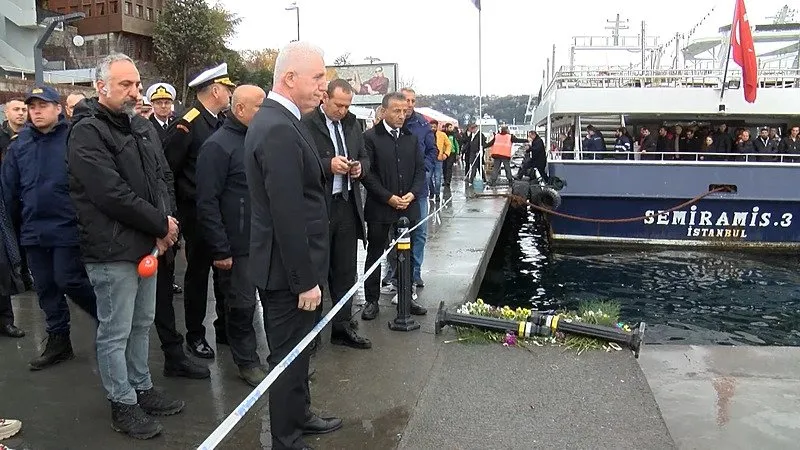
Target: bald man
point(223, 210)
point(72, 99)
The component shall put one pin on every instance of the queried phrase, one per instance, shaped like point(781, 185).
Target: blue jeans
point(418, 238)
point(126, 306)
point(435, 180)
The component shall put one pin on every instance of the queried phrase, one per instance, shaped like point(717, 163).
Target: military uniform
point(161, 91)
point(182, 146)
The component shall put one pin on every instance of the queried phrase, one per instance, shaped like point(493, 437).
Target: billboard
point(370, 81)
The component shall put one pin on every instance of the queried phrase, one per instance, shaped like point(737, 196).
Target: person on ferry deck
point(791, 144)
point(744, 146)
point(766, 146)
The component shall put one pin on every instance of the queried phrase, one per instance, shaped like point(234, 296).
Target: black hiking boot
point(58, 349)
point(155, 403)
point(131, 420)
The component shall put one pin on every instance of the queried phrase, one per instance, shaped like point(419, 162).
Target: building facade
point(114, 26)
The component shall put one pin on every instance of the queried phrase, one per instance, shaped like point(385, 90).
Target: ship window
point(101, 9)
point(149, 15)
point(138, 10)
point(112, 7)
point(129, 8)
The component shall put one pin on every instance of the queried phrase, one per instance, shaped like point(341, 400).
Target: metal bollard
point(403, 321)
point(539, 324)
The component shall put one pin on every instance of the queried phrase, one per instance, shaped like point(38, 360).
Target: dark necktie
point(340, 151)
point(394, 134)
point(164, 126)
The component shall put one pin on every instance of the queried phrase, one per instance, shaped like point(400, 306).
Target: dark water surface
point(685, 296)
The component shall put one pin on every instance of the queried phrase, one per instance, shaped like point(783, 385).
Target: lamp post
point(296, 9)
point(52, 23)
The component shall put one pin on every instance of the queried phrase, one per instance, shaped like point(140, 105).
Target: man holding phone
point(340, 146)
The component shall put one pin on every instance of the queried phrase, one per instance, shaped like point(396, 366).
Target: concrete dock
point(411, 390)
point(727, 397)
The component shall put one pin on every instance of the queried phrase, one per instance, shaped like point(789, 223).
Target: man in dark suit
point(289, 234)
point(395, 184)
point(340, 144)
point(182, 145)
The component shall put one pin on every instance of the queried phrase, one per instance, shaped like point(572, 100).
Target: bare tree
point(342, 60)
point(372, 59)
point(403, 82)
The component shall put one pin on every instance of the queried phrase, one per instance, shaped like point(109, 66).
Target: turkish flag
point(744, 52)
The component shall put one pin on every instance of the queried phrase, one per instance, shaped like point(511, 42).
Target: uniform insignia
point(37, 91)
point(182, 127)
point(14, 137)
point(191, 115)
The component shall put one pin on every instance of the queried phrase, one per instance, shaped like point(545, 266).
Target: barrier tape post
point(403, 321)
point(222, 430)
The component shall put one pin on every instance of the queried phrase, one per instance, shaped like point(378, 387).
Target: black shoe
point(185, 368)
point(156, 403)
point(354, 324)
point(11, 331)
point(417, 309)
point(176, 289)
point(200, 348)
point(349, 338)
point(58, 349)
point(370, 311)
point(319, 425)
point(419, 283)
point(131, 420)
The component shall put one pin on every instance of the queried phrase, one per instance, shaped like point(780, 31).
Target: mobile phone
point(353, 163)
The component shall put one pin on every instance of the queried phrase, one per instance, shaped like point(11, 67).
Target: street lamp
point(296, 9)
point(52, 23)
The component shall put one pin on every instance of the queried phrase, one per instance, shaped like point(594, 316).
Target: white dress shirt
point(390, 129)
point(285, 102)
point(338, 180)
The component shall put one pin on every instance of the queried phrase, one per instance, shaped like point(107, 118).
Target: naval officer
point(182, 143)
point(162, 97)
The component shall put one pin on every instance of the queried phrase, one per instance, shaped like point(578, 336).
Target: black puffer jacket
point(117, 183)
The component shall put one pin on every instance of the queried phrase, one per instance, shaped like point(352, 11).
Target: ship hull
point(764, 212)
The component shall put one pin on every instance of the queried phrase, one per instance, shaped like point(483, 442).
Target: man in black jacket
point(289, 234)
point(182, 146)
point(344, 163)
point(394, 183)
point(118, 189)
point(223, 208)
point(535, 158)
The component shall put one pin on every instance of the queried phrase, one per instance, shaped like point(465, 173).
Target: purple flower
point(510, 340)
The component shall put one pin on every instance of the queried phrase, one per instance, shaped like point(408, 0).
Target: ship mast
point(785, 15)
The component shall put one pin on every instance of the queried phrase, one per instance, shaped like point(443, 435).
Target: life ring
point(545, 196)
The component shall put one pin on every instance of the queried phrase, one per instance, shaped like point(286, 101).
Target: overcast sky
point(435, 42)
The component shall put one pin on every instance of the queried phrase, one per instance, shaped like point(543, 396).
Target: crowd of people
point(689, 143)
point(263, 189)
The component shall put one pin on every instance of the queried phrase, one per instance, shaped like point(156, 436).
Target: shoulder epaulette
point(191, 115)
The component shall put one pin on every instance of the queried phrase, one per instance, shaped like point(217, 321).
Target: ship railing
point(675, 157)
point(615, 77)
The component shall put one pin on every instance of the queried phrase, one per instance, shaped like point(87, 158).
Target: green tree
point(188, 36)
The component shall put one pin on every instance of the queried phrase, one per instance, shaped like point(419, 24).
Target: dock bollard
point(544, 325)
point(403, 321)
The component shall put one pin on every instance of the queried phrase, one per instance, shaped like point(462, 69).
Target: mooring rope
point(517, 201)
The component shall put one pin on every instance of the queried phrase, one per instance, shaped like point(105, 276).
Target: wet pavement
point(727, 397)
point(411, 390)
